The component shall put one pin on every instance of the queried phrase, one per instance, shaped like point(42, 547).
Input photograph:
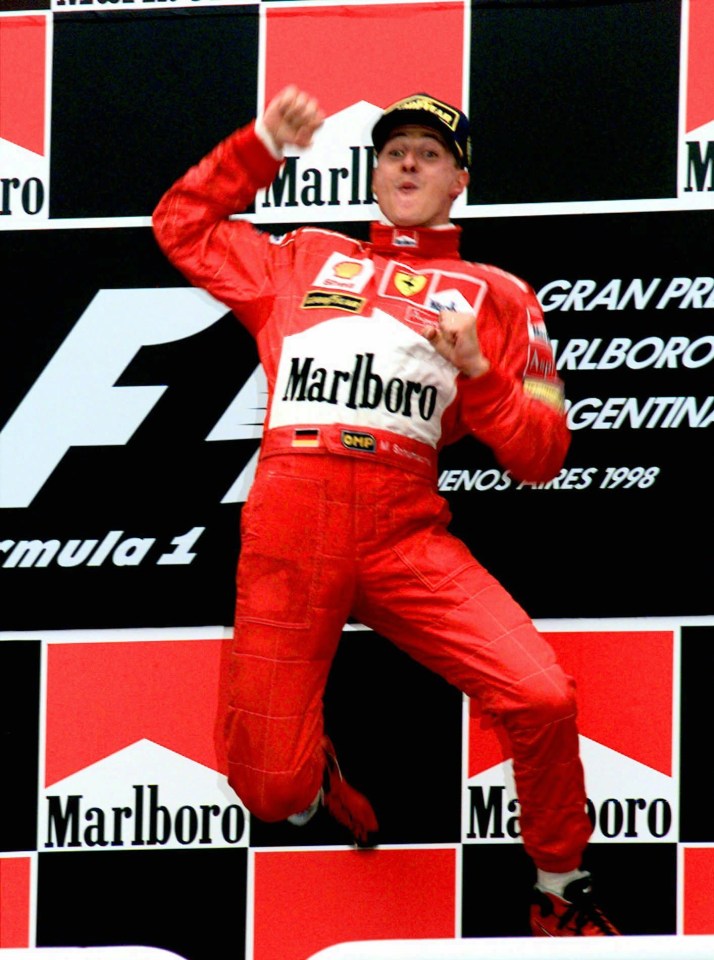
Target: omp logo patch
point(353, 440)
point(321, 300)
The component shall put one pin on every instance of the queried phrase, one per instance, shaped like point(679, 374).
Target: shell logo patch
point(347, 269)
point(340, 272)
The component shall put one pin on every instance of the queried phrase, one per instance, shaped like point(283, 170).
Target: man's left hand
point(456, 339)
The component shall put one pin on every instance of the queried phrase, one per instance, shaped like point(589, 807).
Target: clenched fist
point(292, 117)
point(456, 339)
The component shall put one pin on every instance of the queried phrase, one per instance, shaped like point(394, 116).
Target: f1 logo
point(75, 400)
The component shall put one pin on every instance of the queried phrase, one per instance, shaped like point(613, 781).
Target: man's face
point(417, 179)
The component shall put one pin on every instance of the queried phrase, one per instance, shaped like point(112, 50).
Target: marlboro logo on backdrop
point(700, 66)
point(131, 755)
point(302, 46)
point(22, 81)
point(23, 78)
point(624, 688)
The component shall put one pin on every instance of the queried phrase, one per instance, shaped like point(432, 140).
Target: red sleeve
point(192, 225)
point(517, 407)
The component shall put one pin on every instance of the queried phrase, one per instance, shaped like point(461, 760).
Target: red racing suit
point(344, 517)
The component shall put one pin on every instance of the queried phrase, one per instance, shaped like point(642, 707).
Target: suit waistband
point(380, 446)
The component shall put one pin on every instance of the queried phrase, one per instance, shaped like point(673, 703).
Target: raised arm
point(194, 222)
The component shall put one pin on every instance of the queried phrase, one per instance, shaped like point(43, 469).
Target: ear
point(461, 181)
point(375, 180)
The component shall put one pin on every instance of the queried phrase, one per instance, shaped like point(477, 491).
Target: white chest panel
point(365, 372)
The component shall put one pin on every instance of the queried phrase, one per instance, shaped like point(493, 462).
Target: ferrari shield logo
point(409, 284)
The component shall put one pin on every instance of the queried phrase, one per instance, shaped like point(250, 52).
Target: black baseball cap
point(427, 111)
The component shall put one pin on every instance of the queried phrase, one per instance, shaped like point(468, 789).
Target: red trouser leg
point(422, 588)
point(323, 536)
point(294, 594)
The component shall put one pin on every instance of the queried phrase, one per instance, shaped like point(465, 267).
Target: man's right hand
point(292, 117)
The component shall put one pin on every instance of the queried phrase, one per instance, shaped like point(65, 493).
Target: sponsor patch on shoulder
point(536, 328)
point(545, 390)
point(354, 440)
point(331, 300)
